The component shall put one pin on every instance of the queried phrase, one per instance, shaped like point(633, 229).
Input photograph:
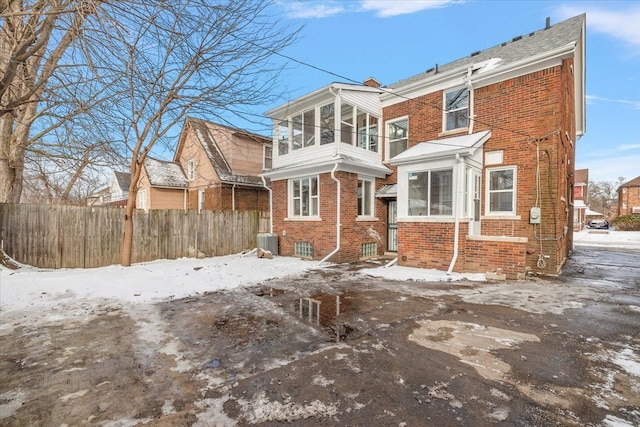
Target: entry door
point(392, 226)
point(474, 224)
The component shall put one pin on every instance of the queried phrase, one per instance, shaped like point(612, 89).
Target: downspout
point(471, 109)
point(233, 197)
point(264, 183)
point(458, 205)
point(185, 200)
point(333, 176)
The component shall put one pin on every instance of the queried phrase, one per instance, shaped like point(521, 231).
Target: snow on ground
point(40, 290)
point(609, 238)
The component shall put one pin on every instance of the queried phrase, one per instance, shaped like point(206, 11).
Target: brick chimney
point(371, 82)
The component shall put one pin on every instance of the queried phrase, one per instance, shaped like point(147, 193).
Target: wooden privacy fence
point(53, 236)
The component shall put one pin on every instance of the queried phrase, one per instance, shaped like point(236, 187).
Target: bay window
point(430, 193)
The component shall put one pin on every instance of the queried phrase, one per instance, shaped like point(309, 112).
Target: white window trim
point(290, 215)
point(372, 197)
point(142, 202)
point(264, 156)
point(445, 111)
point(487, 193)
point(428, 207)
point(387, 146)
point(200, 200)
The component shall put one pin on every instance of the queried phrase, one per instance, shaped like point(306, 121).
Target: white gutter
point(264, 182)
point(333, 176)
point(186, 198)
point(456, 232)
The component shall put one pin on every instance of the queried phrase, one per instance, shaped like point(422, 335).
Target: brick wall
point(628, 198)
point(532, 121)
point(321, 233)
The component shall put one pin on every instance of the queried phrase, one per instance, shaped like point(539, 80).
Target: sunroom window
point(346, 123)
point(327, 124)
point(431, 193)
point(283, 137)
point(367, 132)
point(456, 109)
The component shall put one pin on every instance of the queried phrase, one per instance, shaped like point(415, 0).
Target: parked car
point(601, 224)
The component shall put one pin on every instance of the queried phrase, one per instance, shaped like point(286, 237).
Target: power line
point(386, 90)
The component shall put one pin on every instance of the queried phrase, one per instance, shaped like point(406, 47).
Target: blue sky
point(392, 40)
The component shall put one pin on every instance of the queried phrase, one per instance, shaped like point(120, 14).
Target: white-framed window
point(303, 129)
point(456, 109)
point(397, 134)
point(430, 193)
point(303, 197)
point(191, 169)
point(365, 196)
point(347, 113)
point(327, 124)
point(501, 185)
point(368, 132)
point(200, 200)
point(141, 200)
point(283, 137)
point(268, 156)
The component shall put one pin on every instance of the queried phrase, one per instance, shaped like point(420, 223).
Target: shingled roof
point(635, 182)
point(165, 174)
point(123, 179)
point(518, 49)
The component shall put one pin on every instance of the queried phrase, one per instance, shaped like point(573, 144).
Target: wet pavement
point(335, 347)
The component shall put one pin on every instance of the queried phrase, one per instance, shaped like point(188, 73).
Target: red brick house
point(629, 197)
point(580, 198)
point(466, 167)
point(223, 166)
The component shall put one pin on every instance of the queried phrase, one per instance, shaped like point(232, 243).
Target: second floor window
point(346, 123)
point(303, 197)
point(191, 169)
point(268, 157)
point(397, 132)
point(367, 132)
point(456, 109)
point(327, 124)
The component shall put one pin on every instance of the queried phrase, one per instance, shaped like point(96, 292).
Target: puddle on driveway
point(324, 310)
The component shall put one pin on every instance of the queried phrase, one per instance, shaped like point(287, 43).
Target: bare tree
point(602, 194)
point(35, 36)
point(182, 57)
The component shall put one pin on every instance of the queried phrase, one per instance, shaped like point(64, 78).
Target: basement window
point(303, 249)
point(369, 249)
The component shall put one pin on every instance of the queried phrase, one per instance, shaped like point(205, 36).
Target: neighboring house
point(629, 197)
point(162, 185)
point(465, 167)
point(116, 194)
point(223, 166)
point(580, 198)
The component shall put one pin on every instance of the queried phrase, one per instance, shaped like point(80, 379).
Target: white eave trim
point(442, 80)
point(326, 166)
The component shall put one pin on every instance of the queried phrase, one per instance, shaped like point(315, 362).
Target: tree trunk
point(127, 237)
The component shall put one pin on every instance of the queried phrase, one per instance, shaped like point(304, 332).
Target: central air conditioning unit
point(268, 242)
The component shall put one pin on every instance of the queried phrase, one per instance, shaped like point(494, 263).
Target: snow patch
point(260, 409)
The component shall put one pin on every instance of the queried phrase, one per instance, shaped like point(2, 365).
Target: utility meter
point(534, 215)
